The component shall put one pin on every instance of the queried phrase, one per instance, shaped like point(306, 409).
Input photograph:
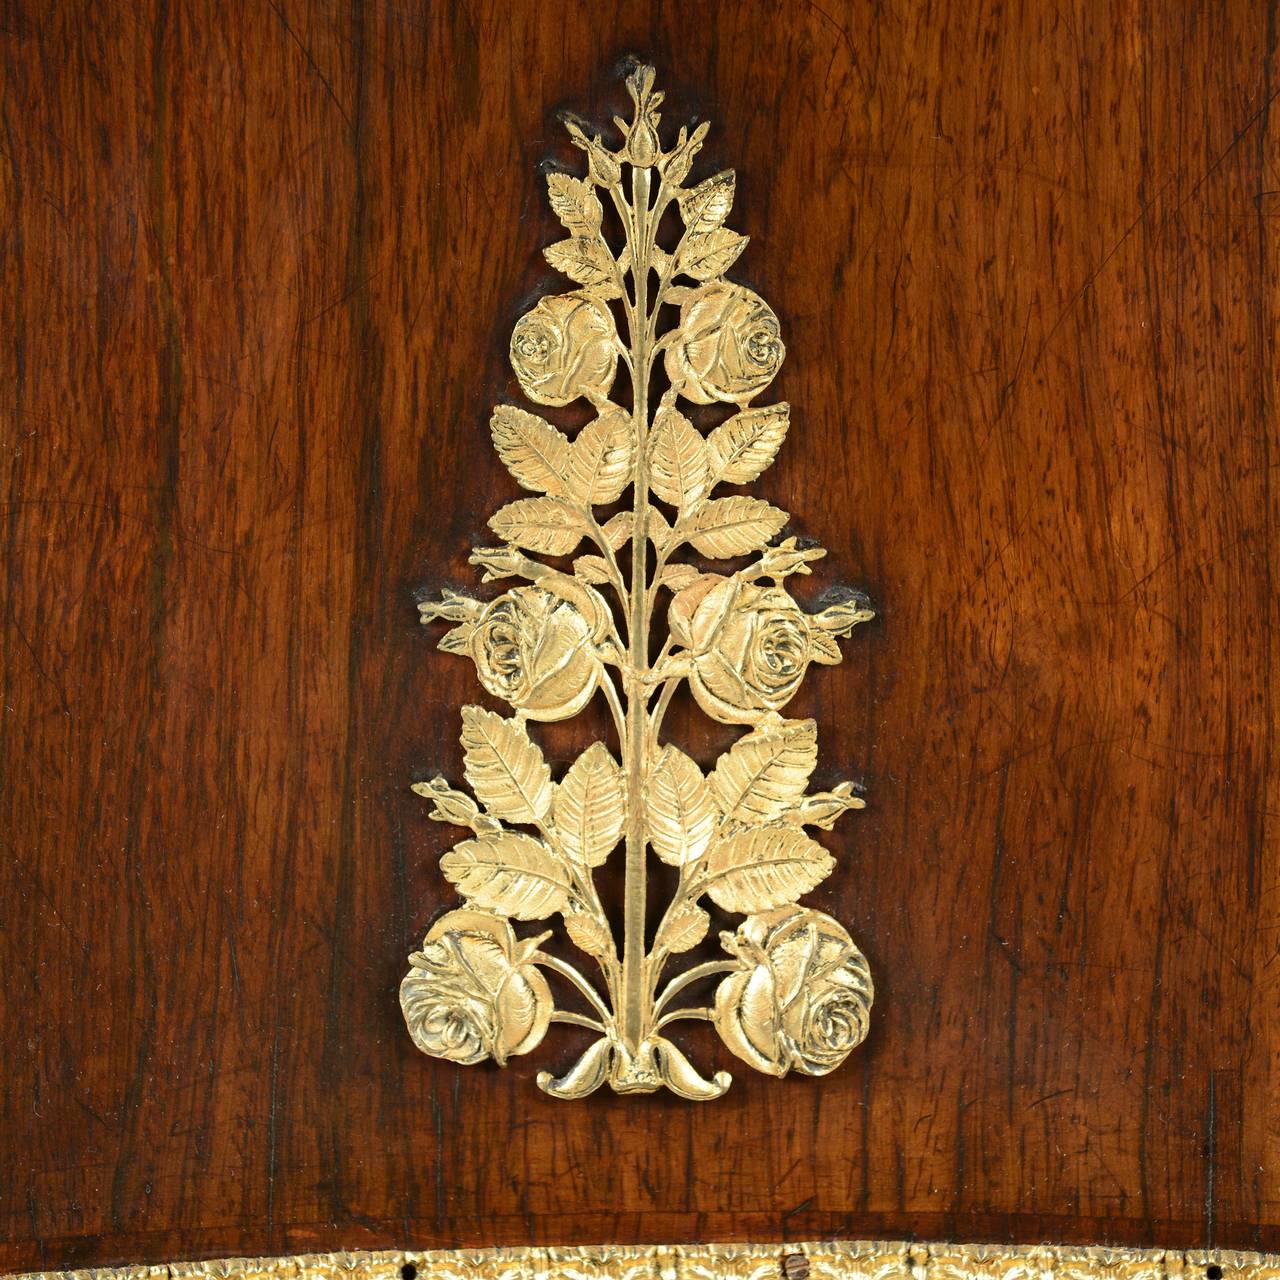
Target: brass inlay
point(825, 1260)
point(794, 991)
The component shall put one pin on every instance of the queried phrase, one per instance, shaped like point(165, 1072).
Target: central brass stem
point(634, 993)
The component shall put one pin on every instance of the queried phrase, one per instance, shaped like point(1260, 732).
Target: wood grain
point(260, 264)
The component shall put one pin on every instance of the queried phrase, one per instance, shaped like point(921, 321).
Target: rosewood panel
point(260, 264)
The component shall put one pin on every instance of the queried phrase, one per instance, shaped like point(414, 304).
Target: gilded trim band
point(814, 1260)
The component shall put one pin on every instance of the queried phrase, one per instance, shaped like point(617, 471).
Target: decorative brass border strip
point(812, 1260)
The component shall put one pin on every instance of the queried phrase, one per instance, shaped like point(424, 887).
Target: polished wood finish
point(1025, 257)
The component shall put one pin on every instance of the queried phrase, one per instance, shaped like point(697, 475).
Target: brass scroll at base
point(818, 1260)
point(669, 534)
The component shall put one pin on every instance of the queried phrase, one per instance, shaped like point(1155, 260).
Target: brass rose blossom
point(536, 648)
point(622, 518)
point(804, 999)
point(565, 347)
point(471, 992)
point(751, 645)
point(729, 346)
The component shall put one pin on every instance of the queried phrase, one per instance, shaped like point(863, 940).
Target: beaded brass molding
point(816, 1260)
point(794, 992)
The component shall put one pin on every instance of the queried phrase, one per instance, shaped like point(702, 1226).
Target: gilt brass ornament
point(794, 992)
point(814, 1260)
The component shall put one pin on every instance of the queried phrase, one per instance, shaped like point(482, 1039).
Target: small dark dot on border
point(408, 1272)
point(1213, 1271)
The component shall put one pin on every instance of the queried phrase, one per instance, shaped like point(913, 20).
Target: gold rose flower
point(803, 998)
point(471, 993)
point(566, 347)
point(537, 648)
point(726, 347)
point(750, 645)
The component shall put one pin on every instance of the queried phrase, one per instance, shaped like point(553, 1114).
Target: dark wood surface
point(261, 261)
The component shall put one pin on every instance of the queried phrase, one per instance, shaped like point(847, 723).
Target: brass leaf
point(591, 807)
point(765, 774)
point(535, 452)
point(684, 929)
point(763, 868)
point(505, 769)
point(587, 932)
point(617, 530)
point(707, 206)
point(707, 256)
point(574, 203)
point(678, 465)
point(550, 525)
point(747, 443)
point(735, 526)
point(657, 528)
point(593, 569)
point(600, 460)
point(675, 577)
point(586, 260)
point(510, 873)
point(682, 815)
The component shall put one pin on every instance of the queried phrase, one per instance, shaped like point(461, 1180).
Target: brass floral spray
point(794, 991)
